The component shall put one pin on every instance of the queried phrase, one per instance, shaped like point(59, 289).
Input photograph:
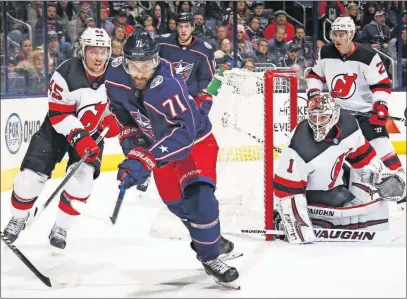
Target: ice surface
point(125, 261)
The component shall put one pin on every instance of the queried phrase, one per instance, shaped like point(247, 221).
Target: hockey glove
point(111, 122)
point(82, 142)
point(130, 137)
point(136, 169)
point(204, 101)
point(381, 112)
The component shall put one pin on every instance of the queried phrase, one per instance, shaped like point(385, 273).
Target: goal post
point(251, 116)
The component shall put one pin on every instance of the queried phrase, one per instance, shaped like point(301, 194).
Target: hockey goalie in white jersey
point(310, 186)
point(357, 79)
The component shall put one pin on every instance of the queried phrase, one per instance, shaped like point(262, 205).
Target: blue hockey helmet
point(141, 45)
point(186, 17)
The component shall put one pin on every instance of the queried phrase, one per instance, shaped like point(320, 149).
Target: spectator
point(300, 77)
point(293, 57)
point(201, 27)
point(352, 11)
point(299, 41)
point(119, 34)
point(229, 27)
point(281, 20)
point(133, 10)
point(243, 11)
point(262, 53)
point(220, 35)
point(75, 27)
point(34, 12)
point(214, 11)
point(104, 22)
point(258, 11)
point(26, 49)
point(54, 55)
point(225, 54)
point(115, 7)
point(64, 13)
point(157, 19)
point(403, 23)
point(277, 45)
point(249, 64)
point(121, 19)
point(171, 24)
point(393, 48)
point(244, 46)
point(147, 22)
point(369, 13)
point(254, 31)
point(52, 25)
point(33, 71)
point(331, 10)
point(117, 49)
point(377, 32)
point(90, 23)
point(184, 6)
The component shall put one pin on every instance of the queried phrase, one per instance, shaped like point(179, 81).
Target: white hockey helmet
point(344, 24)
point(322, 114)
point(95, 37)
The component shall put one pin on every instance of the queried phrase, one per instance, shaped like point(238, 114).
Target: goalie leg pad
point(202, 210)
point(295, 219)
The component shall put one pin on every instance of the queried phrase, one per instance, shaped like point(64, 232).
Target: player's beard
point(140, 82)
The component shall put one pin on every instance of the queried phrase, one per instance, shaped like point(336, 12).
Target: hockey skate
point(227, 250)
point(222, 273)
point(57, 237)
point(278, 225)
point(14, 228)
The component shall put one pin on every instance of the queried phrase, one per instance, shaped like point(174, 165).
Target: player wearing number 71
point(77, 114)
point(167, 134)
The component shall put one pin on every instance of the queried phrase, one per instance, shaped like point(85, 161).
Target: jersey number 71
point(174, 103)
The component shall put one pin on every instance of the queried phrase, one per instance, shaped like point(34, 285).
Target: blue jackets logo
point(14, 133)
point(184, 69)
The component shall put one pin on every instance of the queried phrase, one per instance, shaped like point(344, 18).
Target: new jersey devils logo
point(184, 69)
point(344, 86)
point(336, 169)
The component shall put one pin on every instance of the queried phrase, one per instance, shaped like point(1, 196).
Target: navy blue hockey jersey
point(163, 111)
point(195, 62)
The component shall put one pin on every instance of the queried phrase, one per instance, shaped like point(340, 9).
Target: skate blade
point(230, 256)
point(233, 285)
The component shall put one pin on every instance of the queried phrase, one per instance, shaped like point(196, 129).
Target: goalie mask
point(322, 113)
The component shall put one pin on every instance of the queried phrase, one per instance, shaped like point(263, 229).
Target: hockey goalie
point(312, 186)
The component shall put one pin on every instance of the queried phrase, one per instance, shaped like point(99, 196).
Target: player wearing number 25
point(166, 133)
point(77, 114)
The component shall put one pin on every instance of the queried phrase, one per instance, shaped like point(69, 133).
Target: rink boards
point(21, 118)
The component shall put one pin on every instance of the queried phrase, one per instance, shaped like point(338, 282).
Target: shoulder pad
point(117, 61)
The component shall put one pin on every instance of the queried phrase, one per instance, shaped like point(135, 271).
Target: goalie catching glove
point(136, 169)
point(295, 219)
point(390, 184)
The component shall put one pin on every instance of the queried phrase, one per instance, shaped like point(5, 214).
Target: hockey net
point(251, 117)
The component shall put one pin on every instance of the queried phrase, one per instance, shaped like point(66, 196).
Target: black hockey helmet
point(186, 17)
point(141, 45)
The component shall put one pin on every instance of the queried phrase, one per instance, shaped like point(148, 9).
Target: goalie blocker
point(313, 164)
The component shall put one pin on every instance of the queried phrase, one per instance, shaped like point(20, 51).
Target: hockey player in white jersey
point(356, 76)
point(77, 114)
point(310, 186)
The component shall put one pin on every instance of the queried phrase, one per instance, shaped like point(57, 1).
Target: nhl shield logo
point(184, 69)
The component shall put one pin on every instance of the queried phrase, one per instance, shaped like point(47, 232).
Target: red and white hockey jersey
point(74, 99)
point(309, 165)
point(358, 79)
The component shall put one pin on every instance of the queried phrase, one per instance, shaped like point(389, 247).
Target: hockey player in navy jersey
point(167, 134)
point(192, 58)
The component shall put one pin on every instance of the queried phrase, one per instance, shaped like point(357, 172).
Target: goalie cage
point(251, 117)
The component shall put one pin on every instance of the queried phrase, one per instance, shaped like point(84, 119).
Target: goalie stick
point(38, 211)
point(335, 235)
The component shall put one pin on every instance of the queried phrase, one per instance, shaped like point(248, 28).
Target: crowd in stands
point(267, 32)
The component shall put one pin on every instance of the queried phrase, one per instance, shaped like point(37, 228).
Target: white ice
point(125, 261)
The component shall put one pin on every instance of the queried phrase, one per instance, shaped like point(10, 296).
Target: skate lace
point(15, 225)
point(218, 265)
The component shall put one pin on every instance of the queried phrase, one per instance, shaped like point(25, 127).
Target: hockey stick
point(118, 204)
point(26, 262)
point(334, 235)
point(367, 114)
point(37, 211)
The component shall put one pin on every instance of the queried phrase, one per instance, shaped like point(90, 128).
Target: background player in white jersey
point(309, 183)
point(357, 78)
point(77, 114)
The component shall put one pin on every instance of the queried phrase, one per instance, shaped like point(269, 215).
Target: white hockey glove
point(390, 184)
point(295, 219)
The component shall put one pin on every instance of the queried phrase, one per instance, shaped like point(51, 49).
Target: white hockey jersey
point(309, 165)
point(75, 100)
point(358, 79)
